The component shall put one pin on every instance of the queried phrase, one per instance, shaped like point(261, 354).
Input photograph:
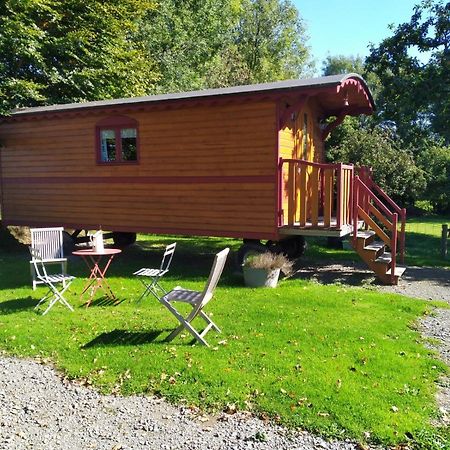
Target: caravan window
point(117, 140)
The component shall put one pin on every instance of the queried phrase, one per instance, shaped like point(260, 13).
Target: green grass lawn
point(335, 360)
point(423, 244)
point(423, 241)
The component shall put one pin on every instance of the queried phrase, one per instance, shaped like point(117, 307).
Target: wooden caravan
point(245, 162)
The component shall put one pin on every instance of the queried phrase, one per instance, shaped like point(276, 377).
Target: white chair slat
point(197, 300)
point(54, 294)
point(49, 243)
point(153, 286)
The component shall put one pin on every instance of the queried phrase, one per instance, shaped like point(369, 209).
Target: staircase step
point(364, 234)
point(399, 271)
point(375, 246)
point(385, 258)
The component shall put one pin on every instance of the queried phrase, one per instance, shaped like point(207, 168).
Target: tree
point(270, 37)
point(185, 39)
point(215, 43)
point(436, 164)
point(415, 96)
point(58, 52)
point(334, 65)
point(393, 167)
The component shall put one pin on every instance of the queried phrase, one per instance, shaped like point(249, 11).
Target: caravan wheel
point(122, 239)
point(293, 247)
point(247, 249)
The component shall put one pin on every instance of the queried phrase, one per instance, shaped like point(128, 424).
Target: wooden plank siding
point(208, 168)
point(291, 146)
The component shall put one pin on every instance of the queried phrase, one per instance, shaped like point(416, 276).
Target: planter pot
point(260, 277)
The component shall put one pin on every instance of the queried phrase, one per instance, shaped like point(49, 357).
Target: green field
point(342, 362)
point(423, 241)
point(423, 244)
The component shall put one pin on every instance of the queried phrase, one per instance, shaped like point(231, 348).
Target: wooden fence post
point(444, 241)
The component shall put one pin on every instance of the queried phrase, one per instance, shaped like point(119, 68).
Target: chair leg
point(33, 276)
point(207, 328)
point(52, 302)
point(145, 293)
point(64, 271)
point(190, 329)
point(209, 321)
point(175, 333)
point(151, 288)
point(42, 300)
point(57, 296)
point(184, 324)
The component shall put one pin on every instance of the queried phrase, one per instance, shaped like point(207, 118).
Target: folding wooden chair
point(197, 300)
point(154, 275)
point(51, 281)
point(49, 243)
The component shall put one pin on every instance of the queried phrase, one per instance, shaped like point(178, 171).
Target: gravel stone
point(42, 411)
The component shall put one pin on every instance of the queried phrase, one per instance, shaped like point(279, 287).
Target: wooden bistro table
point(98, 264)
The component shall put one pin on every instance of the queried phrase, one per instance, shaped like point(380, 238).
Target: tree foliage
point(186, 40)
point(337, 64)
point(415, 96)
point(393, 167)
point(55, 52)
point(409, 134)
point(215, 43)
point(435, 162)
point(270, 37)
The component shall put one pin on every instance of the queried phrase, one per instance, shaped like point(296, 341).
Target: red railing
point(375, 214)
point(317, 195)
point(365, 174)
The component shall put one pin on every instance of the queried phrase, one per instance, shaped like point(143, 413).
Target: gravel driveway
point(41, 410)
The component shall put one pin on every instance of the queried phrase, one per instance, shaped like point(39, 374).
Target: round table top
point(92, 252)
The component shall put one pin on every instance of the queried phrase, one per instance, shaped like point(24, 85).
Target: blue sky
point(346, 27)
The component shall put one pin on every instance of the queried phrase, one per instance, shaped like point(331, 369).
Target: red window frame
point(116, 123)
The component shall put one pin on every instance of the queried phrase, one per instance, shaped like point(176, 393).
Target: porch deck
point(319, 229)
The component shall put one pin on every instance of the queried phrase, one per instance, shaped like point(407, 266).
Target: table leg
point(97, 278)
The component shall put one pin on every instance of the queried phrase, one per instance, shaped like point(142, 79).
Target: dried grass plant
point(270, 261)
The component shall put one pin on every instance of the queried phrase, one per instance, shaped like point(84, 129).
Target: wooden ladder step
point(375, 246)
point(364, 234)
point(399, 270)
point(385, 258)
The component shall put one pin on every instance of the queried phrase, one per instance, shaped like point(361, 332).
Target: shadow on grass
point(123, 337)
point(17, 305)
point(436, 275)
point(104, 301)
point(193, 256)
point(343, 272)
point(424, 250)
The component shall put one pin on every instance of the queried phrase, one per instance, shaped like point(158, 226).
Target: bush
point(393, 167)
point(435, 162)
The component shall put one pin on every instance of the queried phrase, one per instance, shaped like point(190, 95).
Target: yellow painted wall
point(292, 139)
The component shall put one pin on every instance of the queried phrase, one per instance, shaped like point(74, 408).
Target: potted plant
point(263, 269)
